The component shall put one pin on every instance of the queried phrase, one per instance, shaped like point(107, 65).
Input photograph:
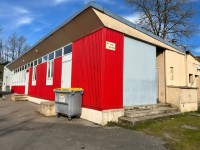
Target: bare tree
point(1, 50)
point(15, 45)
point(1, 46)
point(168, 19)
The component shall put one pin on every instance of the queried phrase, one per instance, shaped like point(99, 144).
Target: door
point(139, 81)
point(66, 71)
point(26, 82)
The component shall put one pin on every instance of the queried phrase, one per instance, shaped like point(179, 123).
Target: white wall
point(6, 78)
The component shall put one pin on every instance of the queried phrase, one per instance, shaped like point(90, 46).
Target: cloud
point(17, 17)
point(197, 50)
point(133, 17)
point(24, 21)
point(60, 1)
point(111, 2)
point(20, 10)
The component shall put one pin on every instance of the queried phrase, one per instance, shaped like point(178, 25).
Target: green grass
point(170, 129)
point(198, 111)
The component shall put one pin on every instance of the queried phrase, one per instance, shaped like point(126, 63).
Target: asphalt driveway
point(23, 128)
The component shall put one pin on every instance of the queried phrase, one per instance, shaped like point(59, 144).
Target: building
point(117, 64)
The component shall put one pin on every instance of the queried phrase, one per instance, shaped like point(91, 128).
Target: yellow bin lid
point(68, 89)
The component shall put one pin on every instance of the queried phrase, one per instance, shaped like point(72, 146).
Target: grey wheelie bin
point(68, 102)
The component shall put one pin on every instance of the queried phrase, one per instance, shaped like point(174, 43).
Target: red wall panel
point(99, 71)
point(86, 68)
point(31, 88)
point(113, 70)
point(41, 90)
point(18, 89)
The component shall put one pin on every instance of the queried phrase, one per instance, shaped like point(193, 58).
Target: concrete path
point(23, 128)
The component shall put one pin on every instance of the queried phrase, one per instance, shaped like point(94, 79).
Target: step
point(163, 105)
point(47, 108)
point(147, 107)
point(149, 112)
point(19, 97)
point(133, 121)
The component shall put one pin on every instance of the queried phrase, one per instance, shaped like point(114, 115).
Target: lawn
point(174, 130)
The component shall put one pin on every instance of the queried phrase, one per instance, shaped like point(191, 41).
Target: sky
point(36, 18)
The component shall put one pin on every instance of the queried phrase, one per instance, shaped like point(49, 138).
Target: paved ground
point(23, 128)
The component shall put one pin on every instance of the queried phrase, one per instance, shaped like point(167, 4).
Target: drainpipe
point(186, 71)
point(164, 53)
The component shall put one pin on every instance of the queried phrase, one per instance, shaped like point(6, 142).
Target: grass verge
point(171, 129)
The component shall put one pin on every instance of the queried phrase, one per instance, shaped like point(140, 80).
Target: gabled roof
point(79, 25)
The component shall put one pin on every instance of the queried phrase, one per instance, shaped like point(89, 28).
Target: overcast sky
point(35, 18)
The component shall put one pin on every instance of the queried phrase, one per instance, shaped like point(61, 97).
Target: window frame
point(69, 45)
point(50, 72)
point(34, 75)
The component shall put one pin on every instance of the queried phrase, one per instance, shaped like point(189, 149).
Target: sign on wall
point(110, 46)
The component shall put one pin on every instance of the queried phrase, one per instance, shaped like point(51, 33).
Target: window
point(191, 78)
point(24, 76)
point(50, 69)
point(34, 74)
point(59, 53)
point(51, 56)
point(31, 64)
point(35, 62)
point(67, 49)
point(171, 73)
point(39, 60)
point(45, 58)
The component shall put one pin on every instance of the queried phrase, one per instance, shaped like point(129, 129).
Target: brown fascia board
point(80, 25)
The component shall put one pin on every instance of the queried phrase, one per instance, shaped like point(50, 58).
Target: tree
point(168, 19)
point(1, 47)
point(15, 45)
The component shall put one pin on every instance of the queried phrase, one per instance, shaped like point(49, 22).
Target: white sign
point(110, 45)
point(61, 98)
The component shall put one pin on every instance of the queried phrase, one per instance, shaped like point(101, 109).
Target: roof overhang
point(90, 18)
point(77, 27)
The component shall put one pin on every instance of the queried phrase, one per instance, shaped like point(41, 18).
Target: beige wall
point(198, 90)
point(160, 59)
point(183, 98)
point(177, 61)
point(192, 64)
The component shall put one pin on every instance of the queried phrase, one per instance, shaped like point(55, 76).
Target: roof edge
point(107, 12)
point(125, 21)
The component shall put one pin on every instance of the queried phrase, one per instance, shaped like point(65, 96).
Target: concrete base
point(36, 100)
point(102, 117)
point(188, 107)
point(19, 97)
point(47, 108)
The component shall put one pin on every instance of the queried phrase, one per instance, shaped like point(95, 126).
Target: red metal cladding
point(86, 68)
point(41, 90)
point(99, 71)
point(112, 70)
point(31, 88)
point(18, 89)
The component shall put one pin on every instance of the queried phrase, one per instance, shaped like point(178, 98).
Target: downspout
point(164, 53)
point(186, 71)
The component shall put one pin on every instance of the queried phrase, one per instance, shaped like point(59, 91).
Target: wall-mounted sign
point(110, 46)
